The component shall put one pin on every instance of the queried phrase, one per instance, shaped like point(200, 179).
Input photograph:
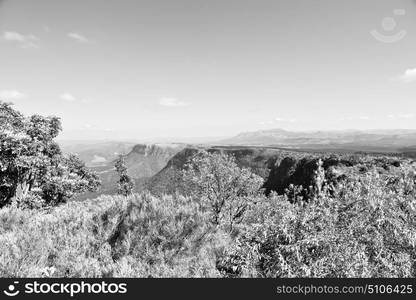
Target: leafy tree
point(125, 183)
point(224, 188)
point(67, 177)
point(32, 162)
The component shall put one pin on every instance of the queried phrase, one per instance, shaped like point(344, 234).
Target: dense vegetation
point(32, 165)
point(355, 218)
point(366, 229)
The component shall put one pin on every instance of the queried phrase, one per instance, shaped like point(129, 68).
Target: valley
point(280, 157)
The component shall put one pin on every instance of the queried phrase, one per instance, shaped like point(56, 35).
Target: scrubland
point(363, 227)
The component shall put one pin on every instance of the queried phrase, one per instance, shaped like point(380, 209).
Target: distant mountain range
point(100, 153)
point(348, 140)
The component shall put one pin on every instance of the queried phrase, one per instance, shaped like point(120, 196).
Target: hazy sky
point(154, 68)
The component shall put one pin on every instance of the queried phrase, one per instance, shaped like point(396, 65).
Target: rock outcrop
point(143, 161)
point(312, 173)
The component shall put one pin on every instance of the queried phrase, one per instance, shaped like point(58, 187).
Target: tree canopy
point(225, 188)
point(125, 183)
point(32, 163)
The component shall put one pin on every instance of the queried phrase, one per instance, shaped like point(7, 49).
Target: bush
point(67, 241)
point(169, 236)
point(138, 236)
point(31, 201)
point(366, 230)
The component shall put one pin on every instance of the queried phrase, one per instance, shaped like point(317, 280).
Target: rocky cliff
point(143, 161)
point(279, 168)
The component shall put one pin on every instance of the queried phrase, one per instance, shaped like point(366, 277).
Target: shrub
point(168, 234)
point(366, 230)
point(66, 241)
point(31, 201)
point(137, 236)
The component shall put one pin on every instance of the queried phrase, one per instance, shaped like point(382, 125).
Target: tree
point(67, 177)
point(125, 183)
point(32, 162)
point(224, 188)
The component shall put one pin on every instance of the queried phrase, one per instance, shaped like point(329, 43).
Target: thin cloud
point(78, 37)
point(71, 98)
point(408, 76)
point(172, 102)
point(24, 41)
point(11, 95)
point(362, 118)
point(291, 120)
point(68, 97)
point(266, 123)
point(278, 120)
point(402, 116)
point(86, 100)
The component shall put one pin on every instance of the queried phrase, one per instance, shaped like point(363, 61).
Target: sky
point(194, 68)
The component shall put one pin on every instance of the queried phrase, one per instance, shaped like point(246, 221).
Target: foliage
point(125, 183)
point(31, 162)
point(65, 241)
point(167, 237)
point(366, 230)
point(30, 201)
point(222, 186)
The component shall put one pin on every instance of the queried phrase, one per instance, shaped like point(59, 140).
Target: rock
point(312, 173)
